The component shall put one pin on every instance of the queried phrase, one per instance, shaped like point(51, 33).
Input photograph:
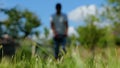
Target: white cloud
point(81, 12)
point(72, 31)
point(101, 10)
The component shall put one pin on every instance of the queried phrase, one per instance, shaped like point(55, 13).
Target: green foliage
point(116, 32)
point(91, 35)
point(113, 13)
point(46, 32)
point(88, 33)
point(20, 21)
point(31, 20)
point(114, 1)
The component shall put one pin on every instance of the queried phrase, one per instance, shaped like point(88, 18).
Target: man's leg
point(56, 49)
point(64, 45)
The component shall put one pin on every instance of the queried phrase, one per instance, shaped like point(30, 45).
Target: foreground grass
point(76, 57)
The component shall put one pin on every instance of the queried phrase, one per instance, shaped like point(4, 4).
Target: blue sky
point(44, 8)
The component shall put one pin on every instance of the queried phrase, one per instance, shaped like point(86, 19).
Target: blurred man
point(59, 25)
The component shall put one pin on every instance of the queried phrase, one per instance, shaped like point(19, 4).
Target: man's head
point(58, 8)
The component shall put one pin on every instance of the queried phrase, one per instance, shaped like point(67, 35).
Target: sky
point(75, 9)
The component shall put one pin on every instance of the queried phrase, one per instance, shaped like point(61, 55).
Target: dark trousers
point(59, 40)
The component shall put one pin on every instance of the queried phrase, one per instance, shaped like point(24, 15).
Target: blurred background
point(92, 24)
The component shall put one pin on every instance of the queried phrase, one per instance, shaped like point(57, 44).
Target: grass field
point(76, 57)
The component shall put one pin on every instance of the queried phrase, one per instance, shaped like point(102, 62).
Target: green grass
point(76, 57)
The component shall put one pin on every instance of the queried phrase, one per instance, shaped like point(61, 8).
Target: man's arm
point(66, 31)
point(66, 24)
point(53, 28)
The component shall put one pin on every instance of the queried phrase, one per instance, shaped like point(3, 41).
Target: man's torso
point(59, 23)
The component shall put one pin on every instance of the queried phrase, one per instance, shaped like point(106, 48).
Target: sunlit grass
point(76, 57)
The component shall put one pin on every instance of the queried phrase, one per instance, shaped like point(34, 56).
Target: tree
point(88, 33)
point(20, 22)
point(92, 35)
point(113, 13)
point(114, 2)
point(1, 31)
